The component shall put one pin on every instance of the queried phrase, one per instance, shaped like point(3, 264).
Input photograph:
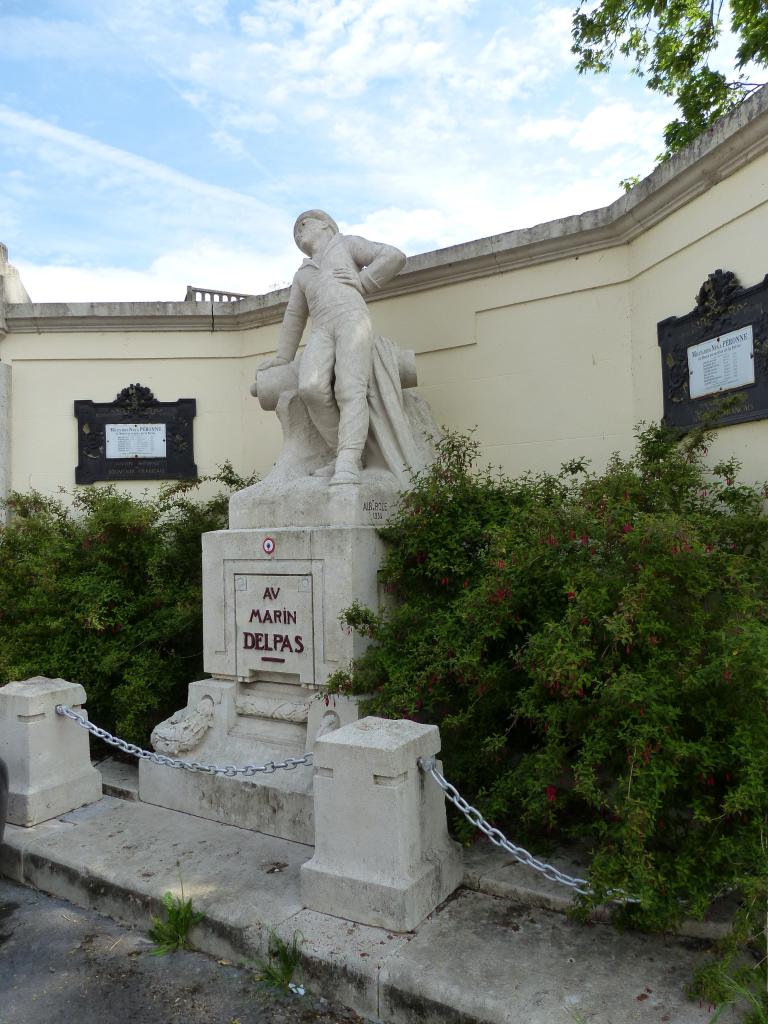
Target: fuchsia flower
point(551, 794)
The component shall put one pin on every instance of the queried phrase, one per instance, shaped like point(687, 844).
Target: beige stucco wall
point(546, 374)
point(51, 370)
point(724, 228)
point(544, 340)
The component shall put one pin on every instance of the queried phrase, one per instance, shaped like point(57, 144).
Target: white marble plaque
point(135, 440)
point(274, 625)
point(721, 363)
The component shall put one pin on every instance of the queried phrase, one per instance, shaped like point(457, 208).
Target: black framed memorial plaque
point(719, 350)
point(135, 437)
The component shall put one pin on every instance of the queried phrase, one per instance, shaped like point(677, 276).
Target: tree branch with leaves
point(671, 45)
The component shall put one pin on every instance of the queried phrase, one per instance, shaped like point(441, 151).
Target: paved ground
point(60, 963)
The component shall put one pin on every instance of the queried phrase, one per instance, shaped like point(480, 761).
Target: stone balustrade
point(195, 294)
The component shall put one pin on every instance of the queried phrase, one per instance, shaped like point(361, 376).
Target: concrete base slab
point(118, 858)
point(478, 959)
point(277, 805)
point(490, 870)
point(119, 778)
point(342, 960)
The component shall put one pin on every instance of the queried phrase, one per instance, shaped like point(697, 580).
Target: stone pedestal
point(244, 730)
point(272, 599)
point(302, 546)
point(383, 856)
point(48, 757)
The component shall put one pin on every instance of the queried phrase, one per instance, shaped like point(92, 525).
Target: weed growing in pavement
point(281, 963)
point(739, 986)
point(173, 933)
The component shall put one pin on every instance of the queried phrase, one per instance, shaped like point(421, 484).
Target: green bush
point(106, 591)
point(594, 649)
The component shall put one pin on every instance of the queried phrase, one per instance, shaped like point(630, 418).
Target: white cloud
point(620, 123)
point(39, 38)
point(206, 264)
point(86, 152)
point(610, 126)
point(420, 124)
point(542, 129)
point(414, 229)
point(208, 12)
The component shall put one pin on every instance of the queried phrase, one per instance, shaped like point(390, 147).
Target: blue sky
point(149, 144)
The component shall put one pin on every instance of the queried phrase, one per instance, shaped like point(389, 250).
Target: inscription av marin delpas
point(718, 350)
point(273, 624)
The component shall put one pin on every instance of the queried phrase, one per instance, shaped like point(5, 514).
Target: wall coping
point(731, 143)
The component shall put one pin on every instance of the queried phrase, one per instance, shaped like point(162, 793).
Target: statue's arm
point(379, 262)
point(291, 329)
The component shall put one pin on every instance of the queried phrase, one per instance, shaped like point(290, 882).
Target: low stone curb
point(491, 871)
point(478, 959)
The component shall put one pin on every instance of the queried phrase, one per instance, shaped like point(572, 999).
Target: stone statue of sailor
point(334, 373)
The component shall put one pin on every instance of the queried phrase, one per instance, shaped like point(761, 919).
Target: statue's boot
point(347, 471)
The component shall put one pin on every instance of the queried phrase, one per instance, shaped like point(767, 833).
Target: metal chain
point(427, 764)
point(579, 885)
point(228, 770)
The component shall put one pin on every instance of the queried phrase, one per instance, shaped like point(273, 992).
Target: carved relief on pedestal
point(184, 730)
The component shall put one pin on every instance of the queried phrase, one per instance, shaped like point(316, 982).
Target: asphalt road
point(63, 965)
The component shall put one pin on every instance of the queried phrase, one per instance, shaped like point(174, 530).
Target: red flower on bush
point(551, 794)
